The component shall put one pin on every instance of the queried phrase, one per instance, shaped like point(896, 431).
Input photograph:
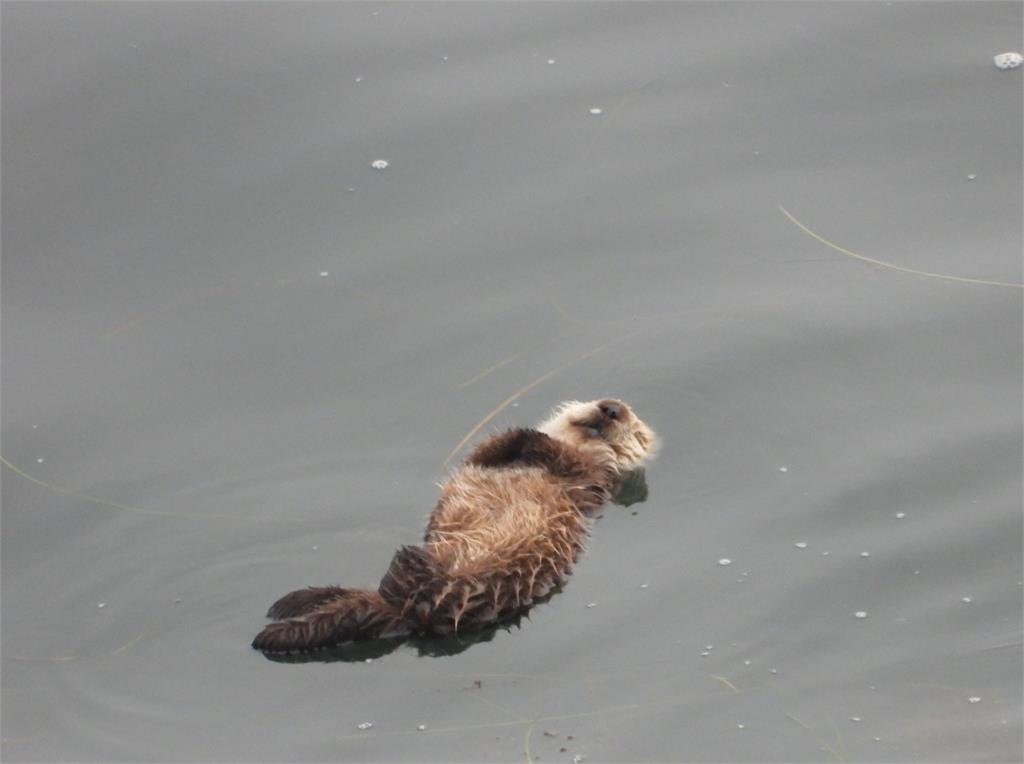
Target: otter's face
point(607, 428)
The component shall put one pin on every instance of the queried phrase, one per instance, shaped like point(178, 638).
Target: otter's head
point(607, 428)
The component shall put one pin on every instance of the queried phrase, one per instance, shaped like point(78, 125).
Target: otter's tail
point(348, 615)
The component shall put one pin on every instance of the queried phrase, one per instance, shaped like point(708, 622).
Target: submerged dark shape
point(510, 523)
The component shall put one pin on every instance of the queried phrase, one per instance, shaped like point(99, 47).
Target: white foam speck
point(965, 599)
point(800, 545)
point(365, 725)
point(860, 614)
point(975, 699)
point(1009, 60)
point(379, 164)
point(900, 515)
point(865, 554)
point(597, 110)
point(725, 561)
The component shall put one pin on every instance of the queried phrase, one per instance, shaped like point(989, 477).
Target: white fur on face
point(625, 443)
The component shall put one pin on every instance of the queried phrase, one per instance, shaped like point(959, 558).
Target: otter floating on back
point(511, 521)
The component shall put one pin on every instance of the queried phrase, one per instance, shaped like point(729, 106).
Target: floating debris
point(741, 726)
point(420, 727)
point(379, 164)
point(865, 554)
point(705, 654)
point(781, 469)
point(972, 176)
point(577, 759)
point(358, 78)
point(644, 586)
point(975, 699)
point(725, 561)
point(900, 515)
point(825, 554)
point(966, 599)
point(550, 733)
point(101, 604)
point(368, 660)
point(860, 614)
point(877, 739)
point(591, 604)
point(365, 725)
point(597, 110)
point(1009, 60)
point(177, 600)
point(773, 671)
point(800, 545)
point(855, 719)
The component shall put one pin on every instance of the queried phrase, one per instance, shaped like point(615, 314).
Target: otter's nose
point(610, 409)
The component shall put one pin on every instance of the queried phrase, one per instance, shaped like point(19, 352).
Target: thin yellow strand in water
point(113, 504)
point(892, 266)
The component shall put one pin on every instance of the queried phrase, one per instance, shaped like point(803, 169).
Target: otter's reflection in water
point(630, 489)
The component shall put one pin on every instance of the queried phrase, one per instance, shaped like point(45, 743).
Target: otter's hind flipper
point(357, 615)
point(304, 601)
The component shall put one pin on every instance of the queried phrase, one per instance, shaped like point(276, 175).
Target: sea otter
point(510, 523)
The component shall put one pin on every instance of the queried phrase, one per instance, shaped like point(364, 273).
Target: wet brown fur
point(509, 524)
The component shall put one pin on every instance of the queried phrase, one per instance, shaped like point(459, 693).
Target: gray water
point(236, 358)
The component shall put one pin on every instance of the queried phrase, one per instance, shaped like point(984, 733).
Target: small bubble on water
point(783, 469)
point(35, 427)
point(972, 176)
point(800, 545)
point(39, 460)
point(368, 660)
point(358, 78)
point(900, 515)
point(421, 727)
point(773, 671)
point(325, 273)
point(644, 586)
point(877, 739)
point(860, 614)
point(1009, 60)
point(551, 60)
point(741, 726)
point(725, 561)
point(591, 604)
point(379, 164)
point(365, 725)
point(855, 719)
point(825, 554)
point(746, 663)
point(705, 654)
point(315, 547)
point(101, 604)
point(966, 599)
point(975, 699)
point(444, 58)
point(597, 110)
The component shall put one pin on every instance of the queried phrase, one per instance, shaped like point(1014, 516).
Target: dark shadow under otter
point(630, 489)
